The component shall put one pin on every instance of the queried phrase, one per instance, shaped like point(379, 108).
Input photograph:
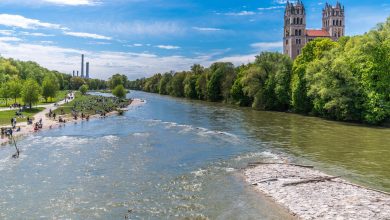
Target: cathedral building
point(296, 36)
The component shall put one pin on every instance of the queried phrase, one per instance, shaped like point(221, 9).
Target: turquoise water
point(175, 159)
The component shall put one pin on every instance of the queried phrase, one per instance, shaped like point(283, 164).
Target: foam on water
point(200, 131)
point(262, 155)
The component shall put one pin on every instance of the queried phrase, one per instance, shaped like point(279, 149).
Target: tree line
point(30, 81)
point(347, 80)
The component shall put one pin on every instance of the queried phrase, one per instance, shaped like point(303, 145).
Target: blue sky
point(143, 37)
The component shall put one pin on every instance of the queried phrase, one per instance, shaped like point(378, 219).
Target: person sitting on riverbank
point(61, 120)
point(29, 121)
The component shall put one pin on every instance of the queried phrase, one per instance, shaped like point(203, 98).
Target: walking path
point(46, 121)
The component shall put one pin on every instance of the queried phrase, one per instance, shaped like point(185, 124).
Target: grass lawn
point(60, 96)
point(5, 116)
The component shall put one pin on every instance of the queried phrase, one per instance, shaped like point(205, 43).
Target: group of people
point(38, 125)
point(96, 105)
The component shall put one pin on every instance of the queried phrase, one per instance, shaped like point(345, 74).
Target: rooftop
point(317, 33)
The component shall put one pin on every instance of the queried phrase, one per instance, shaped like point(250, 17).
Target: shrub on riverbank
point(91, 105)
point(348, 80)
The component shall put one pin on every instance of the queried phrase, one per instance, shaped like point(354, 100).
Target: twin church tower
point(295, 33)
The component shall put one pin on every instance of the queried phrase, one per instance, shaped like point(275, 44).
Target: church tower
point(333, 20)
point(294, 29)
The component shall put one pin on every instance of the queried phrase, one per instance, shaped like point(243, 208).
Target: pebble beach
point(333, 198)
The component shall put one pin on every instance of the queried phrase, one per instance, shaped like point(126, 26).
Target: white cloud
point(206, 29)
point(137, 45)
point(7, 32)
point(168, 47)
point(72, 2)
point(238, 59)
point(271, 8)
point(140, 28)
point(25, 23)
point(267, 45)
point(8, 39)
point(87, 35)
point(102, 64)
point(46, 42)
point(283, 1)
point(37, 34)
point(241, 13)
point(99, 43)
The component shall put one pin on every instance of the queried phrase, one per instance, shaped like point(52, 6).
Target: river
point(174, 159)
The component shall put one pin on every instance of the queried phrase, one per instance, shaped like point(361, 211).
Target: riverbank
point(65, 107)
point(310, 194)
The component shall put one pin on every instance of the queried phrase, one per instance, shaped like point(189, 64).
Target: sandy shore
point(49, 123)
point(330, 199)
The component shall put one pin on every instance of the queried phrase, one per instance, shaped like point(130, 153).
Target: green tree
point(217, 89)
point(14, 88)
point(50, 87)
point(334, 91)
point(30, 92)
point(312, 51)
point(201, 86)
point(119, 91)
point(237, 93)
point(190, 86)
point(176, 85)
point(76, 82)
point(116, 80)
point(4, 92)
point(83, 89)
point(163, 84)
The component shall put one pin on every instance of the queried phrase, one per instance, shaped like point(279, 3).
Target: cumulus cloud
point(87, 35)
point(24, 23)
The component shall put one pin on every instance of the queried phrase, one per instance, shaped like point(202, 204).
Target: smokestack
point(77, 73)
point(87, 70)
point(73, 73)
point(82, 65)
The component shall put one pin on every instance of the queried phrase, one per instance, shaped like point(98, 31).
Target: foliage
point(347, 80)
point(119, 92)
point(14, 88)
point(83, 89)
point(116, 80)
point(30, 92)
point(50, 87)
point(76, 82)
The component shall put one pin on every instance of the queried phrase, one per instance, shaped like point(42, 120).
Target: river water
point(177, 159)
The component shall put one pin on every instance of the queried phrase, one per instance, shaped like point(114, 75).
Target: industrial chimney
point(73, 73)
point(87, 70)
point(77, 73)
point(82, 65)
